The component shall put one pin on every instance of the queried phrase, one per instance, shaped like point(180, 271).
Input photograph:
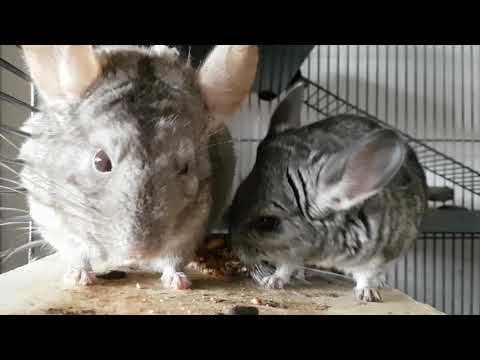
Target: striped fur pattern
point(341, 193)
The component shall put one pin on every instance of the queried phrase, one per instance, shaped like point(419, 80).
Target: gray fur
point(148, 114)
point(297, 178)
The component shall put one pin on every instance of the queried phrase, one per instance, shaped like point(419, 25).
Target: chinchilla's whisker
point(8, 141)
point(76, 202)
point(74, 205)
point(27, 228)
point(2, 163)
point(216, 144)
point(11, 181)
point(28, 233)
point(328, 273)
point(12, 161)
point(13, 190)
point(13, 223)
point(258, 273)
point(17, 218)
point(7, 254)
point(2, 208)
point(9, 130)
point(79, 208)
point(51, 182)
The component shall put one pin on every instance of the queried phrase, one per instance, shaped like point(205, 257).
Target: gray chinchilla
point(120, 166)
point(341, 193)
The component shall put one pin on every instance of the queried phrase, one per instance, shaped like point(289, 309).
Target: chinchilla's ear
point(62, 73)
point(288, 113)
point(226, 79)
point(360, 171)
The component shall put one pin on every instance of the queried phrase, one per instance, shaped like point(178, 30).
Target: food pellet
point(243, 310)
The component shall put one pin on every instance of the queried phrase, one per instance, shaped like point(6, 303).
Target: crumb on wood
point(268, 303)
point(332, 295)
point(215, 260)
point(274, 304)
point(257, 301)
point(70, 311)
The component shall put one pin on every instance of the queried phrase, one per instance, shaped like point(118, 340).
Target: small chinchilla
point(341, 193)
point(125, 163)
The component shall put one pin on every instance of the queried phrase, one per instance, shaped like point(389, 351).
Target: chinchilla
point(340, 193)
point(129, 161)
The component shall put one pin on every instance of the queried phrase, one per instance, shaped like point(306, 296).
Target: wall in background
point(12, 235)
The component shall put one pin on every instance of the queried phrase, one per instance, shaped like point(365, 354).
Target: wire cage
point(429, 93)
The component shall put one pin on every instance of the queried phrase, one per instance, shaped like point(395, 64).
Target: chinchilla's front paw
point(367, 294)
point(273, 282)
point(176, 281)
point(75, 277)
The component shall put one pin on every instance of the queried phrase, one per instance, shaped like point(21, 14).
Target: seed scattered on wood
point(273, 304)
point(257, 301)
point(332, 295)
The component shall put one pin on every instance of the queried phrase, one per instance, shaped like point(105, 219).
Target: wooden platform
point(36, 289)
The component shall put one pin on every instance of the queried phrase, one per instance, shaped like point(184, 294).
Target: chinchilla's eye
point(266, 223)
point(102, 162)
